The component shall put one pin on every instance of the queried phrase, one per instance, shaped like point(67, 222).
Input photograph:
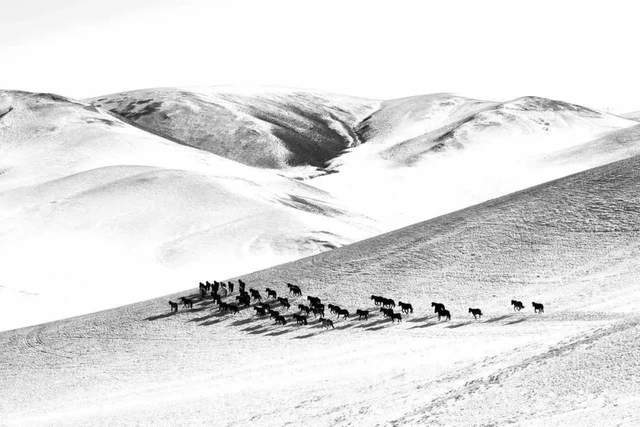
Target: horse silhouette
point(343, 312)
point(314, 300)
point(396, 316)
point(333, 308)
point(476, 312)
point(255, 294)
point(173, 306)
point(327, 323)
point(517, 305)
point(284, 302)
point(538, 307)
point(388, 302)
point(405, 307)
point(281, 320)
point(186, 302)
point(444, 313)
point(318, 310)
point(437, 307)
point(377, 300)
point(304, 308)
point(273, 313)
point(260, 311)
point(271, 293)
point(386, 312)
point(362, 314)
point(294, 290)
point(244, 299)
point(300, 319)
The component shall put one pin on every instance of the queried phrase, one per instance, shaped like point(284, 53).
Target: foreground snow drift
point(95, 213)
point(572, 244)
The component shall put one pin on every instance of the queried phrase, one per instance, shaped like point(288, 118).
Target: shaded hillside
point(274, 129)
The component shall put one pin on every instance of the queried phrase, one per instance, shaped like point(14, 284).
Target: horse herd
point(314, 305)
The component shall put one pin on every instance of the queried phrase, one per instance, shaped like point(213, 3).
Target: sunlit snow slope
point(572, 244)
point(428, 155)
point(274, 128)
point(96, 213)
point(399, 161)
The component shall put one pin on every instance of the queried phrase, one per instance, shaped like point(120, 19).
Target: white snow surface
point(95, 213)
point(572, 244)
point(428, 155)
point(398, 161)
point(98, 203)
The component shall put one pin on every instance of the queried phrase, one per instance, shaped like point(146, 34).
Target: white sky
point(585, 52)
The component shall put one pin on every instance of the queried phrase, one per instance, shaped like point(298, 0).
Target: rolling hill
point(460, 152)
point(398, 161)
point(273, 128)
point(96, 213)
point(572, 244)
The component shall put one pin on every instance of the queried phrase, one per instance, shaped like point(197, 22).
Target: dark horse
point(362, 314)
point(174, 306)
point(396, 316)
point(343, 312)
point(281, 320)
point(271, 293)
point(255, 294)
point(327, 323)
point(517, 305)
point(186, 302)
point(538, 307)
point(386, 312)
point(314, 300)
point(476, 312)
point(300, 319)
point(377, 300)
point(294, 290)
point(405, 307)
point(437, 306)
point(444, 313)
point(304, 308)
point(284, 302)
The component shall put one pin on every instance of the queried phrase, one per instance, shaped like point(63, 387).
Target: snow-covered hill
point(274, 128)
point(429, 155)
point(572, 244)
point(398, 161)
point(96, 213)
point(635, 115)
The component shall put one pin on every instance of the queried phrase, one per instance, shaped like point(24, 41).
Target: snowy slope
point(426, 156)
point(96, 213)
point(633, 116)
point(572, 244)
point(399, 161)
point(273, 128)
